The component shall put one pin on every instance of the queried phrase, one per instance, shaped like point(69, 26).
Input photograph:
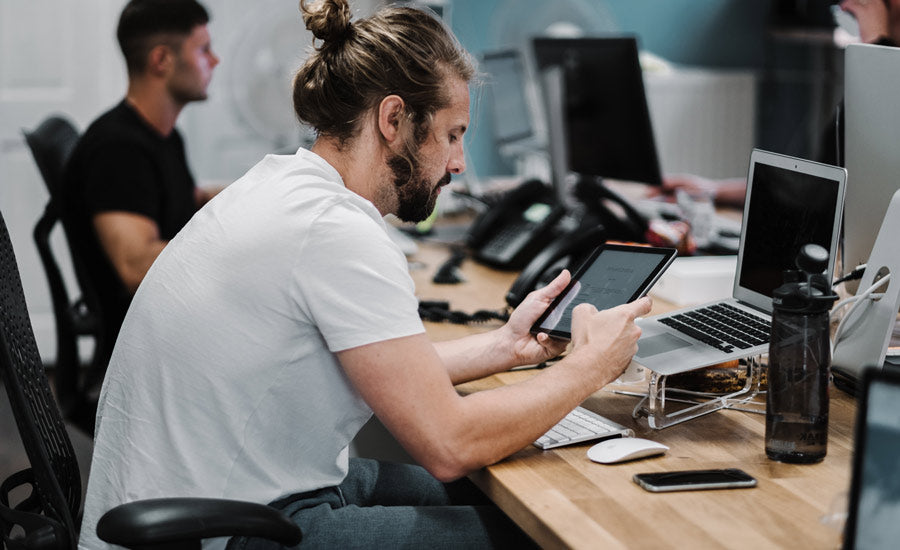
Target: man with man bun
point(282, 316)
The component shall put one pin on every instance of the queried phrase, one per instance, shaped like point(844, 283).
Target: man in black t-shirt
point(128, 188)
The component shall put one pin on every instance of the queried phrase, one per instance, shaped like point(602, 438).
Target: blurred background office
point(721, 77)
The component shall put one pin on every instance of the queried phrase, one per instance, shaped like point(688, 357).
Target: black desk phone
point(522, 232)
point(510, 233)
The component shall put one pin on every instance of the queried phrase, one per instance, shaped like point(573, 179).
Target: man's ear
point(390, 113)
point(160, 58)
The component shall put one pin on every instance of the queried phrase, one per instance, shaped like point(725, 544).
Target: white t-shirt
point(223, 382)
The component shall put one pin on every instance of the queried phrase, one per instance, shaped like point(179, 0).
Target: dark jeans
point(387, 505)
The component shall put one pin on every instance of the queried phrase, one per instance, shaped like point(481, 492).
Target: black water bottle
point(800, 362)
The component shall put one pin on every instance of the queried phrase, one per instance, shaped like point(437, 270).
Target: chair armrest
point(165, 521)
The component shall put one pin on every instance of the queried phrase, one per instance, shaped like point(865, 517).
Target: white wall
point(55, 56)
point(704, 121)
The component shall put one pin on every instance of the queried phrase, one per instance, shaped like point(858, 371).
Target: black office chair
point(48, 516)
point(77, 383)
point(51, 144)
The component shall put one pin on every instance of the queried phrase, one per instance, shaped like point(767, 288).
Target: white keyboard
point(581, 425)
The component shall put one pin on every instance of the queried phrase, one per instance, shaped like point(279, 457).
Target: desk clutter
point(727, 438)
point(531, 231)
point(784, 375)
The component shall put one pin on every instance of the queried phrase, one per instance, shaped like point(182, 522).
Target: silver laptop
point(790, 202)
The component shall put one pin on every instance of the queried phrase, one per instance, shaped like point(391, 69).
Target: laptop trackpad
point(661, 343)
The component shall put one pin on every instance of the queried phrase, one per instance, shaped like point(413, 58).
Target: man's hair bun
point(327, 20)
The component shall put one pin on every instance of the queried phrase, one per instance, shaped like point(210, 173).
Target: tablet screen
point(612, 276)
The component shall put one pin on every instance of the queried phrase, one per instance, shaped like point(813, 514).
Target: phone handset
point(630, 225)
point(574, 247)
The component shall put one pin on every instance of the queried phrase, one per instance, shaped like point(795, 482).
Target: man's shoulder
point(306, 180)
point(116, 127)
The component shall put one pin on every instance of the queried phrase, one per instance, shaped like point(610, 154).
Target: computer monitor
point(553, 86)
point(874, 500)
point(871, 138)
point(608, 128)
point(507, 82)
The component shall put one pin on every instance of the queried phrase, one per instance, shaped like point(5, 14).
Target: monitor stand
point(863, 335)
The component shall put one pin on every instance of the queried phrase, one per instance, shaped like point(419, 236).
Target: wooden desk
point(563, 500)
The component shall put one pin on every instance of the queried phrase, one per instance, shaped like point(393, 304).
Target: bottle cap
point(812, 295)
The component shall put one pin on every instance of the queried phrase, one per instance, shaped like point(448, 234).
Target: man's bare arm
point(511, 345)
point(132, 243)
point(408, 386)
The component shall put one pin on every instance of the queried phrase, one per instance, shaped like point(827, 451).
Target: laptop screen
point(875, 491)
point(790, 203)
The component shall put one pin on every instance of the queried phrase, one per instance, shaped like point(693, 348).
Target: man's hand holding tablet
point(613, 275)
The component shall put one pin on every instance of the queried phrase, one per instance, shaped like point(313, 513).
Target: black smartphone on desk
point(613, 275)
point(694, 480)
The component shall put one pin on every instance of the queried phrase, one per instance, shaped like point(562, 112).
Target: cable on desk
point(448, 272)
point(439, 311)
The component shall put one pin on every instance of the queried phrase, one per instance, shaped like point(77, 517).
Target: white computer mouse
point(621, 449)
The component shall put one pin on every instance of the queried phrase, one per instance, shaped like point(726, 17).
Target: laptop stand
point(657, 405)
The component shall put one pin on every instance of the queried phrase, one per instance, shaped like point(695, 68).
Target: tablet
point(613, 275)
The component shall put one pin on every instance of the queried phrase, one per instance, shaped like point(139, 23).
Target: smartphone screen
point(693, 480)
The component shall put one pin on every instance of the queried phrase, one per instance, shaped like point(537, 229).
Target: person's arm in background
point(203, 195)
point(132, 243)
point(725, 192)
point(872, 16)
point(132, 240)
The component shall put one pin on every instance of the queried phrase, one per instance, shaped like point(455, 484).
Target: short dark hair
point(144, 24)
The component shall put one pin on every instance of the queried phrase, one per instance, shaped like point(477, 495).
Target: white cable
point(835, 311)
point(837, 307)
point(856, 300)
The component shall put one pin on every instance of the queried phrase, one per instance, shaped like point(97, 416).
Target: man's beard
point(186, 94)
point(416, 196)
point(188, 88)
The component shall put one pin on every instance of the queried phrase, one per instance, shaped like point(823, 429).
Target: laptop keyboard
point(721, 326)
point(581, 425)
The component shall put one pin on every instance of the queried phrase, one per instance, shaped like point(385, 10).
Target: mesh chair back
point(51, 144)
point(54, 470)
